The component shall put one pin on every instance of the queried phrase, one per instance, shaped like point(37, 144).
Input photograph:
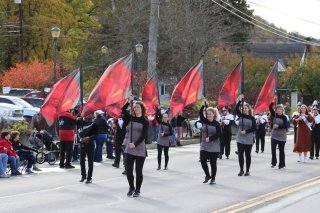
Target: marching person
point(120, 133)
point(135, 141)
point(315, 134)
point(210, 141)
point(303, 140)
point(294, 116)
point(261, 121)
point(87, 135)
point(278, 134)
point(67, 126)
point(165, 130)
point(245, 135)
point(180, 120)
point(226, 123)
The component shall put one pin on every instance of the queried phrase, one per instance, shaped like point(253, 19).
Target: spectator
point(3, 162)
point(155, 129)
point(24, 152)
point(13, 158)
point(110, 139)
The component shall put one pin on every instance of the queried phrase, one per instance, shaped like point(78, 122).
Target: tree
point(36, 75)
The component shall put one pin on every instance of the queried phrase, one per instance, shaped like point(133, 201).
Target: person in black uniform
point(87, 136)
point(120, 133)
point(226, 122)
point(261, 121)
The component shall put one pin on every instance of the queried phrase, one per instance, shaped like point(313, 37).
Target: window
point(162, 89)
point(4, 100)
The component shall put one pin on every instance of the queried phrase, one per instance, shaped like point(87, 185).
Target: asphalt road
point(179, 189)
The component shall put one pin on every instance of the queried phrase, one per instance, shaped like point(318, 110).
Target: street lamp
point(55, 32)
point(139, 49)
point(104, 51)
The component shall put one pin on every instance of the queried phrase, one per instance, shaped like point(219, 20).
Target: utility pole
point(153, 37)
point(20, 28)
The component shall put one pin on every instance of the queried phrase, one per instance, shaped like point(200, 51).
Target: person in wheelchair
point(24, 152)
point(13, 157)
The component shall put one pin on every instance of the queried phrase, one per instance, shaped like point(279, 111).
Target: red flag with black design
point(188, 90)
point(268, 91)
point(231, 88)
point(150, 95)
point(65, 95)
point(114, 110)
point(112, 87)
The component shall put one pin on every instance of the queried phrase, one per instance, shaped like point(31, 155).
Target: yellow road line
point(269, 196)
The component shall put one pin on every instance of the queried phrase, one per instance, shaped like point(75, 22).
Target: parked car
point(28, 110)
point(10, 113)
point(19, 92)
point(35, 102)
point(36, 94)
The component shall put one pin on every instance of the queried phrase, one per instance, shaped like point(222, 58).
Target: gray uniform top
point(139, 150)
point(212, 145)
point(163, 140)
point(279, 134)
point(245, 123)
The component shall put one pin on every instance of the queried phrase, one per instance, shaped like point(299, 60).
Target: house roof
point(277, 51)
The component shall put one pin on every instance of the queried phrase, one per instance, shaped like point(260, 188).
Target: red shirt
point(7, 144)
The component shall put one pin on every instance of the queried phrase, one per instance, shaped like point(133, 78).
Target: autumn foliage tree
point(35, 75)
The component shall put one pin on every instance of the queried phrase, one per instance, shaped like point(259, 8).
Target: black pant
point(244, 149)
point(295, 134)
point(66, 151)
point(118, 151)
point(315, 145)
point(87, 149)
point(130, 159)
point(166, 155)
point(225, 143)
point(212, 156)
point(280, 144)
point(260, 136)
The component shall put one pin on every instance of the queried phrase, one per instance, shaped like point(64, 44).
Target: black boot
point(83, 178)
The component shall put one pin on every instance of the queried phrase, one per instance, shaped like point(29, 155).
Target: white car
point(10, 113)
point(28, 110)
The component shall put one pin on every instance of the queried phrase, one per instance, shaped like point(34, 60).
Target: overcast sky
point(291, 15)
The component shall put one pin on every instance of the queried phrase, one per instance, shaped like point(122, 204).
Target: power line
point(263, 28)
point(284, 33)
point(287, 14)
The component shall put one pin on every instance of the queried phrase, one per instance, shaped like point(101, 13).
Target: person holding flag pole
point(245, 135)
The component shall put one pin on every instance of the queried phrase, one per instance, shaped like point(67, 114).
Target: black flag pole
point(204, 92)
point(131, 101)
point(81, 87)
point(242, 86)
point(277, 76)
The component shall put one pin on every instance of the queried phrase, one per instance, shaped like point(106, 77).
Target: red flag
point(112, 87)
point(188, 90)
point(114, 110)
point(64, 95)
point(268, 91)
point(150, 95)
point(231, 88)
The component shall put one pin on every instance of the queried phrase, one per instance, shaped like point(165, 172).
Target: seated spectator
point(3, 162)
point(24, 152)
point(13, 158)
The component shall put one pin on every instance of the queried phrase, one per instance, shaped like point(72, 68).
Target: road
point(179, 189)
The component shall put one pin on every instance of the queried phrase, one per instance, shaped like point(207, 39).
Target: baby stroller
point(47, 149)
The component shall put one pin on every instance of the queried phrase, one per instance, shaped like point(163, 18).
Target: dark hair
point(143, 108)
point(4, 134)
point(14, 134)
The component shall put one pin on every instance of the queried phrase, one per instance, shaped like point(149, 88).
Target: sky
point(291, 15)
